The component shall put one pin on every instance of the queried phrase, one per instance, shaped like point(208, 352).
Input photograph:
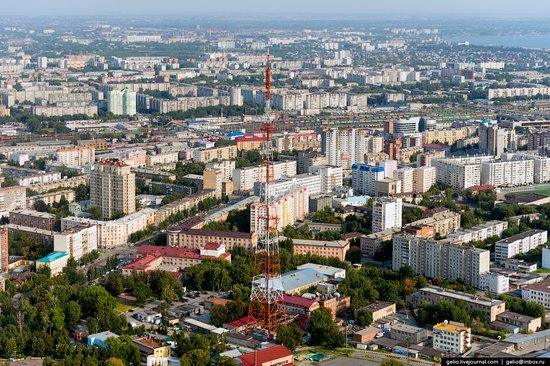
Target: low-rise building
point(538, 292)
point(55, 261)
point(452, 337)
point(32, 218)
point(52, 197)
point(76, 241)
point(276, 355)
point(323, 248)
point(365, 335)
point(408, 333)
point(378, 309)
point(434, 295)
point(526, 324)
point(169, 259)
point(151, 347)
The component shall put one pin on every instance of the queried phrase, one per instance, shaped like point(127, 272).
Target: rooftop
point(543, 286)
point(451, 327)
point(265, 356)
point(52, 257)
point(461, 296)
point(520, 236)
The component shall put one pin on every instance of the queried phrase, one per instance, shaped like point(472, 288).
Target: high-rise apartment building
point(494, 141)
point(541, 164)
point(460, 173)
point(406, 176)
point(364, 178)
point(76, 156)
point(122, 102)
point(423, 179)
point(387, 214)
point(440, 258)
point(332, 177)
point(507, 173)
point(289, 208)
point(113, 188)
point(344, 147)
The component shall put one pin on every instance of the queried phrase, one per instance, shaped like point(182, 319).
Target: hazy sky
point(398, 7)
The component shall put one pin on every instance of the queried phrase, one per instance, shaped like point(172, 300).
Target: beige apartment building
point(219, 153)
point(12, 198)
point(63, 183)
point(76, 156)
point(337, 248)
point(197, 238)
point(113, 188)
point(51, 198)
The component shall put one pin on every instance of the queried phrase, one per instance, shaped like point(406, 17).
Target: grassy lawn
point(122, 308)
point(545, 192)
point(542, 270)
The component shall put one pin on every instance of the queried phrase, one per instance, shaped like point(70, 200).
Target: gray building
point(408, 333)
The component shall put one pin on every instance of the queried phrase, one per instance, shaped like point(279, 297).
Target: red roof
point(156, 251)
point(483, 187)
point(266, 355)
point(241, 322)
point(140, 264)
point(435, 146)
point(298, 301)
point(250, 138)
point(212, 246)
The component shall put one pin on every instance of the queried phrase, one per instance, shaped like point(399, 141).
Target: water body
point(526, 41)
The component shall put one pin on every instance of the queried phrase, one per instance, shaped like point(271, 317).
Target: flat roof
point(461, 296)
point(520, 236)
point(52, 257)
point(451, 327)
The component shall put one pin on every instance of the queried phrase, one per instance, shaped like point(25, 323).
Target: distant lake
point(527, 41)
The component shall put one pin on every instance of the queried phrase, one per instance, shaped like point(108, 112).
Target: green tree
point(226, 361)
point(197, 357)
point(364, 318)
point(290, 336)
point(391, 362)
point(323, 329)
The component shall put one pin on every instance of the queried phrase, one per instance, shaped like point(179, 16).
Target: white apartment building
point(76, 156)
point(406, 176)
point(244, 178)
point(390, 166)
point(111, 234)
point(423, 179)
point(440, 258)
point(226, 167)
point(520, 243)
point(122, 102)
point(364, 178)
point(452, 337)
point(479, 232)
point(288, 209)
point(537, 292)
point(76, 241)
point(541, 165)
point(459, 173)
point(517, 92)
point(344, 147)
point(387, 214)
point(494, 282)
point(507, 173)
point(331, 177)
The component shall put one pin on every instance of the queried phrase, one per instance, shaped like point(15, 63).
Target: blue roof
point(301, 277)
point(53, 257)
point(235, 134)
point(367, 168)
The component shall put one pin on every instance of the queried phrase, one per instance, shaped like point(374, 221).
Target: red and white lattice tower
point(266, 300)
